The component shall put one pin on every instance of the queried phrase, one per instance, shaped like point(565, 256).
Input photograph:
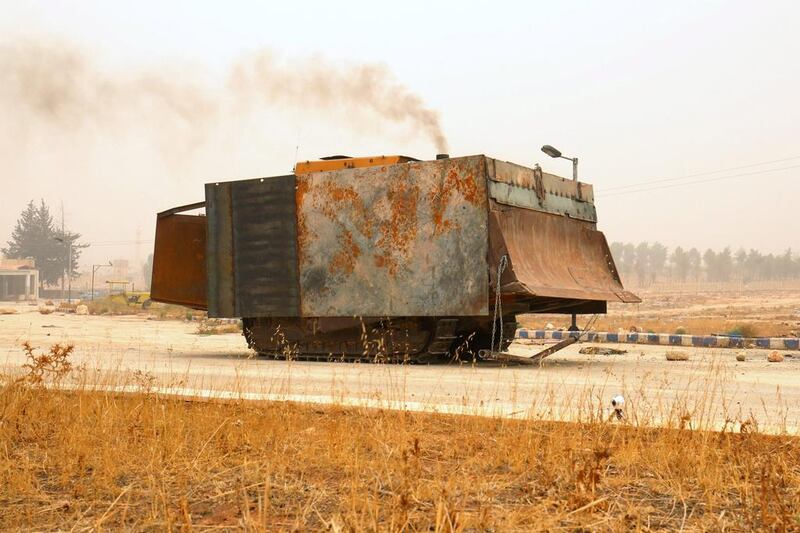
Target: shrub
point(744, 330)
point(54, 364)
point(110, 305)
point(212, 326)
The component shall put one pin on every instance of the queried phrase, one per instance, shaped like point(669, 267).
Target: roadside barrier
point(666, 339)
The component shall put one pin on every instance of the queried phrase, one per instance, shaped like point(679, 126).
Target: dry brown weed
point(83, 459)
point(52, 365)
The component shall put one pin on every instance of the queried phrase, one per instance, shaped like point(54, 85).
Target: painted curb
point(666, 339)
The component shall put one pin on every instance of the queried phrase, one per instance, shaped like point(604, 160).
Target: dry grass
point(678, 325)
point(51, 366)
point(213, 326)
point(111, 305)
point(174, 312)
point(7, 311)
point(117, 305)
point(66, 307)
point(91, 459)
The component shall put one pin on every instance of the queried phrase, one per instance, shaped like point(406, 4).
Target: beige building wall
point(19, 285)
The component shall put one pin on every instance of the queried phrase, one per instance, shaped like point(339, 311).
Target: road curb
point(666, 339)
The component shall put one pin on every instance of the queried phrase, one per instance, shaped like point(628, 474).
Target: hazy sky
point(640, 91)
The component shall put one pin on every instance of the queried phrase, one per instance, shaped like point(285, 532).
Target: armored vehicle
point(387, 258)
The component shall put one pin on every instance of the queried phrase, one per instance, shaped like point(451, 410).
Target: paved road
point(135, 353)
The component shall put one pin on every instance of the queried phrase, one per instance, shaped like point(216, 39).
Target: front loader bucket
point(554, 257)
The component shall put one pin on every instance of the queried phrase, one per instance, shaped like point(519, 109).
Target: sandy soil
point(698, 311)
point(134, 352)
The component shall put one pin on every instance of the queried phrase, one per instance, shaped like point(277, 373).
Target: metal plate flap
point(179, 261)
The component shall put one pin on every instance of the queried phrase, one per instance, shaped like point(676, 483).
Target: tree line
point(35, 235)
point(650, 262)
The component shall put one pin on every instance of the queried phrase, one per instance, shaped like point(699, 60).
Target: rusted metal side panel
point(399, 240)
point(530, 188)
point(252, 248)
point(554, 256)
point(179, 261)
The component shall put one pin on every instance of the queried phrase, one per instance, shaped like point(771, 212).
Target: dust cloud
point(325, 86)
point(110, 145)
point(58, 84)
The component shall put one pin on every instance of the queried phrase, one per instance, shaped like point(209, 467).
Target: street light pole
point(95, 268)
point(556, 153)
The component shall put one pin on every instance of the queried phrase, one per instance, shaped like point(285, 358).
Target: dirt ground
point(296, 446)
point(698, 310)
point(710, 389)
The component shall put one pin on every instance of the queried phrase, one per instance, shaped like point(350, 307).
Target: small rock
point(677, 356)
point(82, 310)
point(741, 356)
point(549, 326)
point(775, 357)
point(597, 350)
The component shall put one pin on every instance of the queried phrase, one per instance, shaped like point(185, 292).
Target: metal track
point(441, 337)
point(412, 340)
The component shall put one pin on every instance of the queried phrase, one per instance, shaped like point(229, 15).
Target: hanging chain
point(498, 305)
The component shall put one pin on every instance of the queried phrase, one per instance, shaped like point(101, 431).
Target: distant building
point(19, 280)
point(120, 269)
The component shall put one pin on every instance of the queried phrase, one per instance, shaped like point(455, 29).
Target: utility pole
point(68, 242)
point(62, 233)
point(69, 276)
point(95, 268)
